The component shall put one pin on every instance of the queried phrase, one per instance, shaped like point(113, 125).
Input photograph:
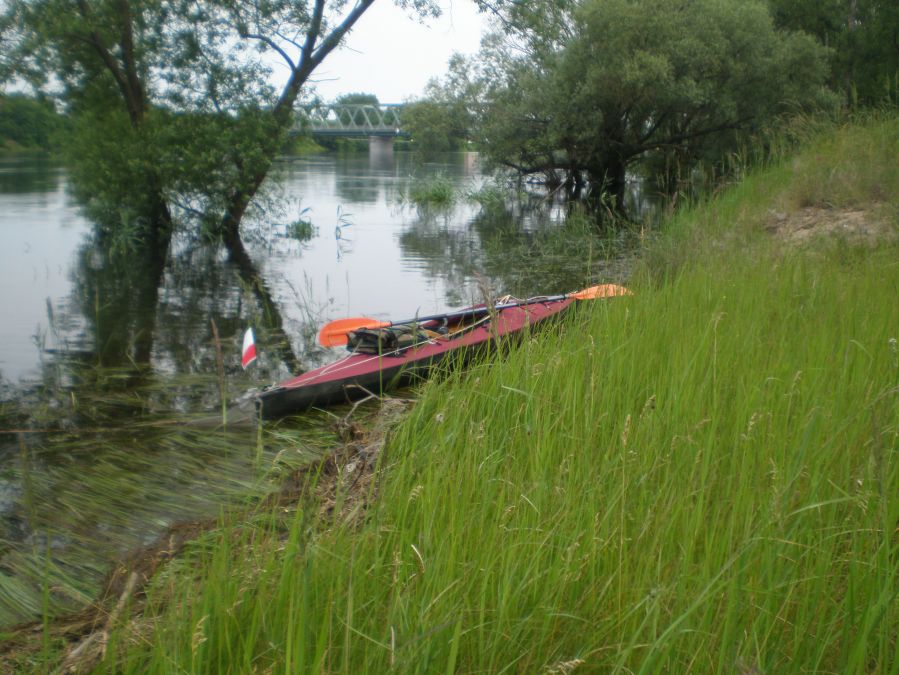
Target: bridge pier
point(381, 143)
point(380, 151)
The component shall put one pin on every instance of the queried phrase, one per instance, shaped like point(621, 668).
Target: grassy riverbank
point(700, 477)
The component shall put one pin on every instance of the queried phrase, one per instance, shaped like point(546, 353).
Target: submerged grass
point(701, 477)
point(96, 474)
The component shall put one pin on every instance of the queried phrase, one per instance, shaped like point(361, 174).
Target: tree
point(864, 37)
point(28, 123)
point(619, 81)
point(431, 125)
point(444, 119)
point(178, 107)
point(191, 91)
point(356, 99)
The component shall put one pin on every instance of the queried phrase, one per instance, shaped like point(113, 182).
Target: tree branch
point(313, 55)
point(315, 27)
point(336, 35)
point(271, 43)
point(680, 138)
point(133, 100)
point(127, 44)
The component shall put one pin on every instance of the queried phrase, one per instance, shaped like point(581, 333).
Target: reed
point(700, 477)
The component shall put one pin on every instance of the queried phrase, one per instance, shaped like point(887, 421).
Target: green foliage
point(367, 110)
point(851, 166)
point(357, 98)
point(302, 228)
point(434, 190)
point(627, 81)
point(206, 156)
point(490, 197)
point(301, 145)
point(433, 126)
point(444, 118)
point(28, 123)
point(863, 36)
point(111, 165)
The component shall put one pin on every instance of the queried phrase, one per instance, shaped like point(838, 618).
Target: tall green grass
point(814, 163)
point(694, 478)
point(701, 477)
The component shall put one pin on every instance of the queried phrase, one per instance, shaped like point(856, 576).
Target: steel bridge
point(351, 120)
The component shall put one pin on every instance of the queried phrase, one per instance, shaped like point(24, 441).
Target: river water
point(93, 458)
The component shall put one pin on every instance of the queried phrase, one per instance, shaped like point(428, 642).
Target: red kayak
point(399, 353)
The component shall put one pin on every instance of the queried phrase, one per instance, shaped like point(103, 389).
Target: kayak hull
point(358, 375)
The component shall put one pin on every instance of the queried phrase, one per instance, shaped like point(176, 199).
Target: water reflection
point(525, 253)
point(380, 156)
point(29, 174)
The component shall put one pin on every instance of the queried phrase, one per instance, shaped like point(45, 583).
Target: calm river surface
point(93, 458)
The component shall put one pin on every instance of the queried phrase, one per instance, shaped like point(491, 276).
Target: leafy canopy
point(864, 36)
point(616, 80)
point(444, 118)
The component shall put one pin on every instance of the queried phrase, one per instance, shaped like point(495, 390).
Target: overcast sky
point(393, 56)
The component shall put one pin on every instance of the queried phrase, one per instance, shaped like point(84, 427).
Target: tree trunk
point(250, 276)
point(609, 179)
point(851, 22)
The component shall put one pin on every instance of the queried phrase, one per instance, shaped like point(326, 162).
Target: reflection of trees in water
point(30, 174)
point(353, 183)
point(137, 320)
point(117, 296)
point(523, 256)
point(445, 251)
point(362, 178)
point(170, 322)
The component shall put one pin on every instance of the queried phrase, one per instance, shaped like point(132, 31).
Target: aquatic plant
point(435, 190)
point(302, 228)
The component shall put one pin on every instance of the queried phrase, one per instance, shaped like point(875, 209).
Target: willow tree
point(622, 80)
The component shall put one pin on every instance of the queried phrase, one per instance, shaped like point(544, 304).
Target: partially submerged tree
point(584, 96)
point(178, 107)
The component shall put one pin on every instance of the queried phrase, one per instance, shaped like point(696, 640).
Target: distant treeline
point(28, 123)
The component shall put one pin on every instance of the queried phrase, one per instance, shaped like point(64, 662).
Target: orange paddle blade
point(602, 291)
point(334, 334)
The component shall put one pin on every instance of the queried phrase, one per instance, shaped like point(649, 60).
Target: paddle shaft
point(475, 311)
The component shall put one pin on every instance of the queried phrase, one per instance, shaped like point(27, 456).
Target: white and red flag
point(249, 349)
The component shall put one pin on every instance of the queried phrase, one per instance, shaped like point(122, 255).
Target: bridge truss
point(356, 120)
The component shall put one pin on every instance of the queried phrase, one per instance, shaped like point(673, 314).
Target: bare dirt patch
point(855, 225)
